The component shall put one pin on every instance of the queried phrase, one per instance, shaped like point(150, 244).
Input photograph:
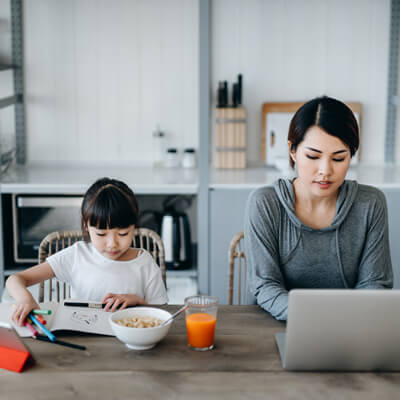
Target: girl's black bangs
point(112, 210)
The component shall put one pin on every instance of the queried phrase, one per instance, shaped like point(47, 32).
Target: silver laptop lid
point(343, 330)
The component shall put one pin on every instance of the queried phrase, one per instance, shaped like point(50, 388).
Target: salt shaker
point(189, 158)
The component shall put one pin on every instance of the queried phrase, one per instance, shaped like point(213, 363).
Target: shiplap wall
point(100, 75)
point(291, 50)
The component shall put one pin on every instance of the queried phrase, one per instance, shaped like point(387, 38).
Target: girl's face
point(111, 243)
point(322, 162)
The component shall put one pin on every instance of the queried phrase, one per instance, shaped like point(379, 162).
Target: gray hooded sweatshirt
point(283, 254)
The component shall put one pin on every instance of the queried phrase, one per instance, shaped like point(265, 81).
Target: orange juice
point(200, 329)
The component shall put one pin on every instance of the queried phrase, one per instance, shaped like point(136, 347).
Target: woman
point(317, 230)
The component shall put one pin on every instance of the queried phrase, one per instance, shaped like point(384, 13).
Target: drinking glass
point(201, 317)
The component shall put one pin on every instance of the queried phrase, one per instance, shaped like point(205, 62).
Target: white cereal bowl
point(140, 338)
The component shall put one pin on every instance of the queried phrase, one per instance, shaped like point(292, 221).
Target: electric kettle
point(175, 233)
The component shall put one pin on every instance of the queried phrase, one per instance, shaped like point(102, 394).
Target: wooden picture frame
point(290, 108)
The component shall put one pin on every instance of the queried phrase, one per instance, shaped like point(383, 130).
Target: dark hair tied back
point(329, 114)
point(107, 204)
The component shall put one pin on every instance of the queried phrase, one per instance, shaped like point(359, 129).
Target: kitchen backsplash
point(100, 76)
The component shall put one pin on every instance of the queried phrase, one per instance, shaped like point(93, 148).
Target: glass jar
point(189, 158)
point(172, 158)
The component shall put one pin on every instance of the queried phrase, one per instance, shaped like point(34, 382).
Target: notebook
point(341, 330)
point(81, 319)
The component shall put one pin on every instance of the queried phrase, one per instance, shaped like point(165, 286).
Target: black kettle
point(175, 233)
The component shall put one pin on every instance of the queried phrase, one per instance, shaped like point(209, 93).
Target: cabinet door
point(226, 219)
point(393, 201)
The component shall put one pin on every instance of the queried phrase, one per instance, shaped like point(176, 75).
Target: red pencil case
point(13, 353)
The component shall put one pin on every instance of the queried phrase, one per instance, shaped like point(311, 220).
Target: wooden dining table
point(244, 364)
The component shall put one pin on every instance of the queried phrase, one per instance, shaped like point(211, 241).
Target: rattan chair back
point(237, 271)
point(143, 238)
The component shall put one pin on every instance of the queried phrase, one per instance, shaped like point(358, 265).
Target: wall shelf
point(5, 67)
point(11, 100)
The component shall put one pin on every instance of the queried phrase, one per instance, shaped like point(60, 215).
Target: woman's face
point(322, 162)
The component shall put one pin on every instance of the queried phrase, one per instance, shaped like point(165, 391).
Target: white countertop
point(65, 179)
point(382, 176)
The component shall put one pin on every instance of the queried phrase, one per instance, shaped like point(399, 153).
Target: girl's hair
point(108, 204)
point(329, 114)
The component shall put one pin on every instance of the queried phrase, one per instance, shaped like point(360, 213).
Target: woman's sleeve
point(375, 270)
point(265, 278)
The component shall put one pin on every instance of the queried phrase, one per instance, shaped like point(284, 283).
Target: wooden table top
point(245, 363)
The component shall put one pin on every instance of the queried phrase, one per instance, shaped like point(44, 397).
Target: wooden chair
point(143, 238)
point(238, 269)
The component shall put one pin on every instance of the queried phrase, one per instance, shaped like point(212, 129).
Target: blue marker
point(42, 327)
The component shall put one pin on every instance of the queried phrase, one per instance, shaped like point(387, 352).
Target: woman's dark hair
point(108, 204)
point(329, 114)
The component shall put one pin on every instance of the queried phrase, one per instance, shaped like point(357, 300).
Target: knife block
point(230, 138)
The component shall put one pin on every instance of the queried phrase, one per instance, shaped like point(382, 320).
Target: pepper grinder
point(158, 148)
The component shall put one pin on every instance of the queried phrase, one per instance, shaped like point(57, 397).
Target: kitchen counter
point(382, 176)
point(66, 179)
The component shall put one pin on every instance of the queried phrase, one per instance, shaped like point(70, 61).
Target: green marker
point(41, 312)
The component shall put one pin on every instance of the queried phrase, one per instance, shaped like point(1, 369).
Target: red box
point(13, 353)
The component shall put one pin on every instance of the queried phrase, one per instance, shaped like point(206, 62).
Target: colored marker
point(80, 304)
point(88, 305)
point(42, 327)
point(41, 319)
point(40, 311)
point(61, 342)
point(31, 328)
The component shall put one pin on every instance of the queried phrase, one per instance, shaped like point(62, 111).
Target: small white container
point(189, 158)
point(172, 158)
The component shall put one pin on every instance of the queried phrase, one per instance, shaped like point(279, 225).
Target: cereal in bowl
point(139, 322)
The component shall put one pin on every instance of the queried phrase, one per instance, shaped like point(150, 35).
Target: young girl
point(317, 230)
point(104, 267)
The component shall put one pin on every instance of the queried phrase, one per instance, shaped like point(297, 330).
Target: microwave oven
point(35, 216)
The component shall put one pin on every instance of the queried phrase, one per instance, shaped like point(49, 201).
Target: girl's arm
point(16, 286)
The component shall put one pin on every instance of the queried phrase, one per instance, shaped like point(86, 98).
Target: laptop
point(341, 330)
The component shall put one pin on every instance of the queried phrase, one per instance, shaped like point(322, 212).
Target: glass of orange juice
point(201, 316)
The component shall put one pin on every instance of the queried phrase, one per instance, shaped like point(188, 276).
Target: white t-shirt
point(91, 275)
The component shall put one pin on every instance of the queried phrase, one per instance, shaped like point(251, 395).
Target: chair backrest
point(143, 238)
point(237, 270)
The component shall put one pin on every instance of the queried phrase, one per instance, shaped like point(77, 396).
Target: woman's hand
point(121, 301)
point(22, 310)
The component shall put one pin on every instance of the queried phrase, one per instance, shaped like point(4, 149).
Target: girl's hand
point(121, 301)
point(22, 310)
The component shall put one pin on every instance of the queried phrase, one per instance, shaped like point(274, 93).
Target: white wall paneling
point(296, 50)
point(100, 75)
